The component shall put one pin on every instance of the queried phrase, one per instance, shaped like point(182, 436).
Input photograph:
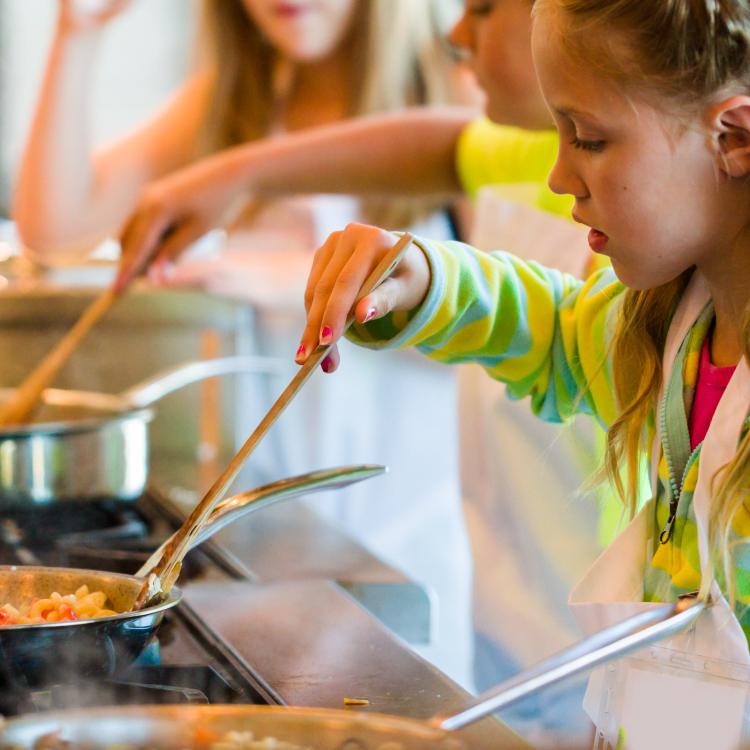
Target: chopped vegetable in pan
point(83, 605)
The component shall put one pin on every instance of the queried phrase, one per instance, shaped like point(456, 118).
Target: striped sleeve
point(542, 332)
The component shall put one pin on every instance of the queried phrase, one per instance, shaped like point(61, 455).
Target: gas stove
point(238, 637)
point(187, 663)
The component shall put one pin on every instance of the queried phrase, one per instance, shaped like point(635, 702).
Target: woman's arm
point(68, 198)
point(409, 153)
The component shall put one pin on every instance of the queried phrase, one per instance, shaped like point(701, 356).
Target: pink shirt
point(709, 388)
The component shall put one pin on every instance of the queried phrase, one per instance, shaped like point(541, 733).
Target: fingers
point(205, 274)
point(328, 278)
point(331, 361)
point(320, 261)
point(379, 303)
point(139, 242)
point(339, 269)
point(338, 288)
point(154, 235)
point(195, 275)
point(176, 241)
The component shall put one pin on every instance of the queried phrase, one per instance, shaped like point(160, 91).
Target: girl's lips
point(289, 10)
point(598, 241)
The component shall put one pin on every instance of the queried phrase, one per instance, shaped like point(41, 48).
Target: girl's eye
point(588, 145)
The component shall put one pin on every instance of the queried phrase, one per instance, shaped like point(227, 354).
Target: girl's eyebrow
point(583, 118)
point(572, 113)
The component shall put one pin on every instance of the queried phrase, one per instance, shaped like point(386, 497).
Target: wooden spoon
point(21, 406)
point(166, 571)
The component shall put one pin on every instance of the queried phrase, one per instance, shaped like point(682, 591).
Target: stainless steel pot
point(84, 445)
point(35, 655)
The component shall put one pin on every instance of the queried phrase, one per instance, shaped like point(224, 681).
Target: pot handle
point(149, 391)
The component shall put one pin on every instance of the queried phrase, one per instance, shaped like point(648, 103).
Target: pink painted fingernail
point(326, 334)
point(370, 314)
point(301, 352)
point(327, 365)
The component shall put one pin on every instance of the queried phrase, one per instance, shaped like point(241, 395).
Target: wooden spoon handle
point(166, 570)
point(22, 404)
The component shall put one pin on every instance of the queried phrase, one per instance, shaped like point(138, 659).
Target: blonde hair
point(686, 52)
point(404, 62)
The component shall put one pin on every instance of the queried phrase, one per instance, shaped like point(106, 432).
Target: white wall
point(146, 54)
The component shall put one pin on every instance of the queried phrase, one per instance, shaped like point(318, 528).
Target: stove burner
point(39, 524)
point(97, 535)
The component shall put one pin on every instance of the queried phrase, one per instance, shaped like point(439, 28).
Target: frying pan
point(37, 655)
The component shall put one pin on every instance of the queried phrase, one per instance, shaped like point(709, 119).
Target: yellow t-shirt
point(489, 154)
point(521, 160)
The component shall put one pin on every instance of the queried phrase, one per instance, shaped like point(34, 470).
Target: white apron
point(676, 706)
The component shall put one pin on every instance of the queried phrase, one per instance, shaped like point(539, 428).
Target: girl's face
point(497, 34)
point(649, 185)
point(303, 30)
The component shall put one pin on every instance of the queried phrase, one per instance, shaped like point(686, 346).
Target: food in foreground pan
point(82, 605)
point(230, 741)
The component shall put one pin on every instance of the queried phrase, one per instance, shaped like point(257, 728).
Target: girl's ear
point(729, 121)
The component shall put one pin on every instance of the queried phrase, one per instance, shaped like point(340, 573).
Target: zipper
point(675, 489)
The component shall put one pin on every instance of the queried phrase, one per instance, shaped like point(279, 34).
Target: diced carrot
point(67, 612)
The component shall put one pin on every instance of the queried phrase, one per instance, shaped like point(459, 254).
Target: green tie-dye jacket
point(546, 335)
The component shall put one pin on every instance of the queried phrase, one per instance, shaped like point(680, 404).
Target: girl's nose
point(563, 180)
point(460, 35)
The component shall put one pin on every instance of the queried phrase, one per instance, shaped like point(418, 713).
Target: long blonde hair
point(686, 52)
point(402, 60)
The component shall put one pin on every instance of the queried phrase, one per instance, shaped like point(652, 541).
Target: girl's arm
point(67, 198)
point(409, 153)
point(542, 332)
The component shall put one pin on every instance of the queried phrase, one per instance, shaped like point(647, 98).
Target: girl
point(650, 100)
point(265, 67)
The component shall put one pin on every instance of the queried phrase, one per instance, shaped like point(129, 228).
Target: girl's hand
point(171, 214)
point(85, 15)
point(339, 269)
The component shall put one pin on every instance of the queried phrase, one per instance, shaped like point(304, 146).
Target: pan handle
point(237, 506)
point(151, 390)
point(606, 645)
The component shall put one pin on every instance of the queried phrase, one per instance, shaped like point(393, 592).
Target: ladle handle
point(237, 506)
point(608, 644)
